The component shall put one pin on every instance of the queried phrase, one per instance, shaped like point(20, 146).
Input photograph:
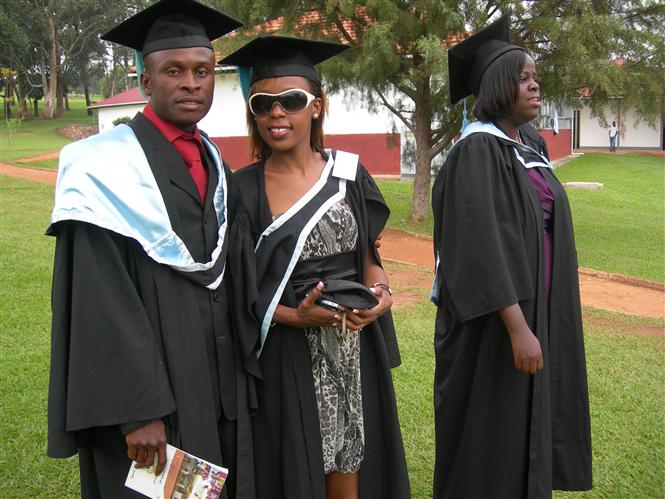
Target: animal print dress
point(335, 356)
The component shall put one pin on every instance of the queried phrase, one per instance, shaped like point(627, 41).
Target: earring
point(316, 116)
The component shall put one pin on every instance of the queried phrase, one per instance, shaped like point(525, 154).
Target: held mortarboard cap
point(172, 24)
point(271, 56)
point(468, 60)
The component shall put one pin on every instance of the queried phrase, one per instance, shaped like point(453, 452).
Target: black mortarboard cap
point(468, 60)
point(171, 24)
point(271, 56)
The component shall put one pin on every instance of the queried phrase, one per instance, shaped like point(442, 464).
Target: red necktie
point(188, 147)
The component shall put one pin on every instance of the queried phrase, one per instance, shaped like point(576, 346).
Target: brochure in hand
point(184, 476)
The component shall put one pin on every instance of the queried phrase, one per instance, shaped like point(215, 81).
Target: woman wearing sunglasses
point(327, 424)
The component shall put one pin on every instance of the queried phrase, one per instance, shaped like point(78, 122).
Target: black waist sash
point(309, 272)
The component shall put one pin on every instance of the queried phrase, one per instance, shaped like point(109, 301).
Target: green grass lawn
point(398, 195)
point(620, 228)
point(50, 164)
point(26, 261)
point(38, 136)
point(626, 376)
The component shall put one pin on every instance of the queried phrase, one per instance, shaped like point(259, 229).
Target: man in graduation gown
point(148, 345)
point(501, 431)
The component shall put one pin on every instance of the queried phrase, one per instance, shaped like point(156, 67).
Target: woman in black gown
point(327, 424)
point(510, 389)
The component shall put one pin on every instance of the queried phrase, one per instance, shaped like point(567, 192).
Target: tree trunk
point(86, 91)
point(66, 101)
point(8, 97)
point(43, 70)
point(423, 136)
point(22, 104)
point(35, 107)
point(125, 64)
point(51, 86)
point(114, 73)
point(60, 101)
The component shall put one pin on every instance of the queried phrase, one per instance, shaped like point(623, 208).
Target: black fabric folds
point(133, 340)
point(499, 432)
point(287, 438)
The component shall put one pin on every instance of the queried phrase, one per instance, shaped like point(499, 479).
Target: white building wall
point(107, 115)
point(227, 114)
point(592, 134)
point(226, 117)
point(346, 116)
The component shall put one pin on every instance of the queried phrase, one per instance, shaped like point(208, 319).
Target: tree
point(399, 55)
point(608, 48)
point(48, 38)
point(14, 48)
point(398, 61)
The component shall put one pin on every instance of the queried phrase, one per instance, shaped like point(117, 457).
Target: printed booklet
point(184, 476)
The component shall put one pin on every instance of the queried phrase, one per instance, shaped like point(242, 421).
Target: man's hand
point(144, 442)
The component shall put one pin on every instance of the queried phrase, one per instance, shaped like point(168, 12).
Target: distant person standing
point(614, 132)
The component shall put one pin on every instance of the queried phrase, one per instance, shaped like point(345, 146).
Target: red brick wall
point(379, 152)
point(559, 145)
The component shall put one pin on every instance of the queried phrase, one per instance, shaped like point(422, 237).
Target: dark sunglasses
point(292, 101)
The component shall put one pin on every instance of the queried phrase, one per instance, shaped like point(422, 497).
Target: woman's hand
point(308, 313)
point(358, 319)
point(527, 354)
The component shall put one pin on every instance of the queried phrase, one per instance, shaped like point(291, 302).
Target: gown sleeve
point(484, 264)
point(106, 361)
point(377, 209)
point(377, 213)
point(241, 265)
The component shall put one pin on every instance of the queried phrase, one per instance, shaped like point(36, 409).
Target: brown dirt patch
point(405, 247)
point(624, 294)
point(410, 284)
point(42, 176)
point(602, 292)
point(77, 132)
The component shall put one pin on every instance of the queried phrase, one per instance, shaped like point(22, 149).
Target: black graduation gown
point(288, 454)
point(133, 340)
point(499, 432)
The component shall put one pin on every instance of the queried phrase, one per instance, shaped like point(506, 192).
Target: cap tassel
point(465, 119)
point(245, 74)
point(140, 67)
